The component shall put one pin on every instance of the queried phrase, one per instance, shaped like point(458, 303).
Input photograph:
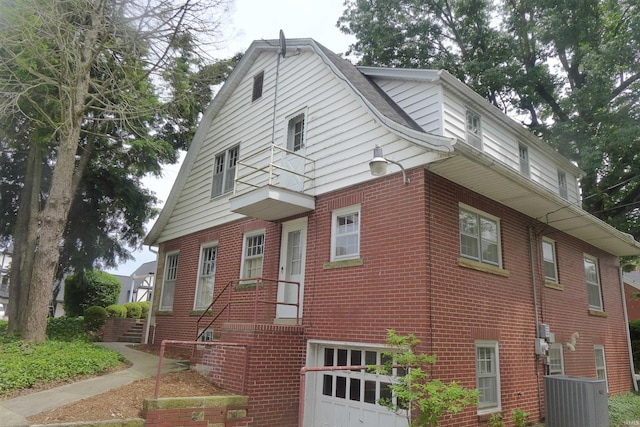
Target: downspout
point(535, 309)
point(153, 294)
point(626, 322)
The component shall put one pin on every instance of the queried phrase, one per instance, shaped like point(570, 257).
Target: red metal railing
point(261, 283)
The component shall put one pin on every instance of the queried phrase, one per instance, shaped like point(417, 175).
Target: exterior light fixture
point(378, 165)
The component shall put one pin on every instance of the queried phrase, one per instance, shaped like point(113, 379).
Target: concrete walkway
point(13, 412)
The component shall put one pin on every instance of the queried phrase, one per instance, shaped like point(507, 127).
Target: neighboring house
point(483, 252)
point(139, 286)
point(632, 294)
point(5, 265)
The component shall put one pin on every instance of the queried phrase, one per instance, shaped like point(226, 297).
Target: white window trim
point(225, 177)
point(559, 347)
point(499, 232)
point(472, 136)
point(494, 345)
point(524, 164)
point(555, 260)
point(600, 347)
point(164, 280)
point(200, 260)
point(288, 128)
point(245, 237)
point(599, 283)
point(334, 228)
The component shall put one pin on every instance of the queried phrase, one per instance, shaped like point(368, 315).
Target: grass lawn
point(66, 354)
point(624, 410)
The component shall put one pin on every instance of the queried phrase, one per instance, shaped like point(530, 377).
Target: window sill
point(200, 313)
point(164, 313)
point(485, 414)
point(343, 263)
point(597, 313)
point(553, 285)
point(474, 265)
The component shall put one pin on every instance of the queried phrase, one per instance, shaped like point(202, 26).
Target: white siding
point(422, 101)
point(340, 136)
point(501, 143)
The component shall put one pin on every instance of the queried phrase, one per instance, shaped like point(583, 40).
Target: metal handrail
point(260, 283)
point(267, 169)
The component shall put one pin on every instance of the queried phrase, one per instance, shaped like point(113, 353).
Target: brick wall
point(633, 304)
point(409, 278)
point(114, 327)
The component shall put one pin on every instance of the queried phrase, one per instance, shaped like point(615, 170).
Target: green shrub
point(116, 310)
point(634, 332)
point(67, 329)
point(624, 408)
point(520, 418)
point(133, 310)
point(144, 305)
point(496, 420)
point(88, 288)
point(94, 318)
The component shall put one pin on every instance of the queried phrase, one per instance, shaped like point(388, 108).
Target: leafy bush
point(520, 418)
point(144, 305)
point(133, 310)
point(624, 408)
point(634, 332)
point(94, 318)
point(88, 288)
point(65, 355)
point(116, 310)
point(496, 420)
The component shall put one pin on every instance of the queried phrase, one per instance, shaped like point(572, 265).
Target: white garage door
point(349, 398)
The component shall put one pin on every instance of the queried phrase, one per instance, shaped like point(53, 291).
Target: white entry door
point(292, 262)
point(292, 176)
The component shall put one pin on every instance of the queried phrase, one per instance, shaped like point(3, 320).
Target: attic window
point(524, 160)
point(562, 185)
point(474, 130)
point(257, 86)
point(295, 138)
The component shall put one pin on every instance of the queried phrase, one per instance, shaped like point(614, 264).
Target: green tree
point(425, 400)
point(89, 288)
point(81, 91)
point(567, 69)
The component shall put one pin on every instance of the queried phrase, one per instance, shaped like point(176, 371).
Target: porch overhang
point(482, 174)
point(271, 203)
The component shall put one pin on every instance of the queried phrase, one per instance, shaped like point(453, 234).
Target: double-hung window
point(345, 233)
point(601, 365)
point(169, 281)
point(525, 168)
point(556, 359)
point(550, 263)
point(224, 170)
point(473, 129)
point(295, 136)
point(206, 276)
point(563, 190)
point(479, 237)
point(488, 376)
point(253, 255)
point(592, 277)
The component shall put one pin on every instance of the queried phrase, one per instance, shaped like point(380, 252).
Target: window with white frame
point(479, 237)
point(224, 170)
point(592, 277)
point(169, 281)
point(601, 365)
point(359, 386)
point(473, 129)
point(562, 185)
point(488, 376)
point(525, 168)
point(549, 257)
point(295, 137)
point(556, 359)
point(252, 255)
point(206, 276)
point(345, 233)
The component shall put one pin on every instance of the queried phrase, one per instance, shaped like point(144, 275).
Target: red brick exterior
point(633, 303)
point(115, 327)
point(411, 280)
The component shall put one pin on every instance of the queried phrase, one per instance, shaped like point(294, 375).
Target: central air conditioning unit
point(575, 402)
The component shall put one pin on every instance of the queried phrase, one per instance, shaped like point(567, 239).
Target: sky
point(251, 20)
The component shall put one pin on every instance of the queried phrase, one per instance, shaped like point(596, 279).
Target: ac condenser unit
point(575, 402)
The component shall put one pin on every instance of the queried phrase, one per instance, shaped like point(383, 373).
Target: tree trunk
point(24, 248)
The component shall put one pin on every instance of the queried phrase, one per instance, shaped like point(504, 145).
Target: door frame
point(286, 312)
